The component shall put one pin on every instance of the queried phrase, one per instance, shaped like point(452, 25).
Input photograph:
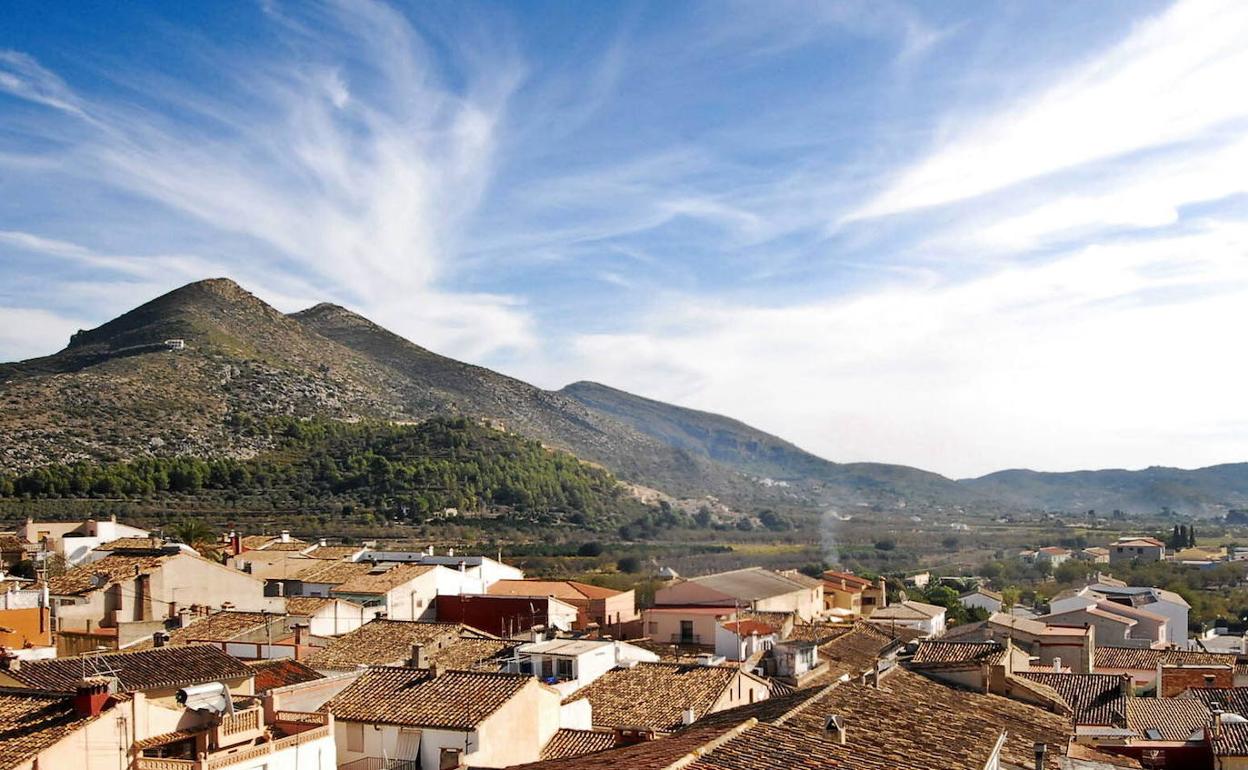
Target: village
point(289, 653)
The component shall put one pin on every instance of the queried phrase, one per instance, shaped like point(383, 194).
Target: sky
point(960, 236)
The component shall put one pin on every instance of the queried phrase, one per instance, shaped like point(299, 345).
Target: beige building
point(665, 697)
point(122, 598)
point(1142, 548)
point(848, 596)
point(748, 589)
point(401, 591)
point(444, 718)
point(595, 604)
point(326, 616)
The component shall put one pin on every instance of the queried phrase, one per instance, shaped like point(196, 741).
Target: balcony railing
point(377, 763)
point(245, 754)
point(686, 639)
point(301, 717)
point(240, 721)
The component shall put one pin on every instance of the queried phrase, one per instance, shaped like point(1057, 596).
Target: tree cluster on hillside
point(405, 471)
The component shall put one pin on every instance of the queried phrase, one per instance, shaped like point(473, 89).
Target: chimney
point(159, 639)
point(1040, 750)
point(1057, 664)
point(10, 663)
point(322, 542)
point(236, 543)
point(450, 551)
point(628, 736)
point(1127, 689)
point(1215, 721)
point(435, 670)
point(687, 716)
point(834, 726)
point(418, 659)
point(91, 697)
point(285, 537)
point(301, 632)
point(429, 551)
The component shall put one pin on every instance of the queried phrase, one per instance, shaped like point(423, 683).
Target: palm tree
point(200, 536)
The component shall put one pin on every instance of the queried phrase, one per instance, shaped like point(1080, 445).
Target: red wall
point(498, 615)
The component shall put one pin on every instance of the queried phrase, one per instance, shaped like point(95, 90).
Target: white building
point(1158, 601)
point(570, 664)
point(983, 599)
point(74, 540)
point(928, 618)
point(741, 639)
point(471, 574)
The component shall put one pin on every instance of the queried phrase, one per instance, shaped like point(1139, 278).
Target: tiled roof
point(254, 542)
point(567, 590)
point(648, 755)
point(333, 551)
point(11, 543)
point(575, 743)
point(752, 583)
point(1174, 719)
point(806, 581)
point(910, 722)
point(31, 722)
point(1232, 740)
point(379, 642)
point(748, 627)
point(1097, 699)
point(131, 543)
point(855, 650)
point(87, 578)
point(271, 674)
point(474, 654)
point(454, 700)
point(908, 610)
point(277, 546)
point(382, 581)
point(1232, 699)
point(818, 632)
point(849, 581)
point(1142, 658)
point(307, 605)
point(222, 626)
point(774, 710)
point(945, 653)
point(333, 573)
point(655, 695)
point(159, 668)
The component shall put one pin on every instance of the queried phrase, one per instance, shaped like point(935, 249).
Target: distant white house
point(1131, 548)
point(928, 618)
point(74, 540)
point(983, 599)
point(570, 664)
point(740, 639)
point(1053, 555)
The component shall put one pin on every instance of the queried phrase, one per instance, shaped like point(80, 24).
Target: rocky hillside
point(119, 392)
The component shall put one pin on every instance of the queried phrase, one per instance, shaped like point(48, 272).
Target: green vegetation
point(405, 472)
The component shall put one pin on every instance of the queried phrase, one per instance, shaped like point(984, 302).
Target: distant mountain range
point(119, 391)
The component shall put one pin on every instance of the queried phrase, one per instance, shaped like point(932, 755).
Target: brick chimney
point(419, 659)
point(627, 736)
point(159, 639)
point(301, 633)
point(91, 697)
point(10, 662)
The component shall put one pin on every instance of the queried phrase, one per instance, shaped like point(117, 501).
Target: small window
point(563, 668)
point(1152, 734)
point(355, 736)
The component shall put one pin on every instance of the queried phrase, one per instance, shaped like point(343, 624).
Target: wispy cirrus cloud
point(345, 158)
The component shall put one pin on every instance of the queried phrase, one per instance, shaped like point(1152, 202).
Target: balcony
point(687, 639)
point(243, 726)
point(377, 763)
point(222, 759)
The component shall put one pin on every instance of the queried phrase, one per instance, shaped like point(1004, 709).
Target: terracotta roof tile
point(655, 695)
point(332, 573)
point(158, 668)
point(1232, 699)
point(648, 755)
point(219, 627)
point(575, 743)
point(1140, 658)
point(1232, 740)
point(31, 722)
point(945, 653)
point(916, 723)
point(474, 654)
point(87, 578)
point(1097, 699)
point(455, 700)
point(567, 590)
point(378, 581)
point(382, 642)
point(131, 543)
point(271, 674)
point(1173, 719)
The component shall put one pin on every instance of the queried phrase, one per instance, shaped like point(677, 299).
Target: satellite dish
point(211, 697)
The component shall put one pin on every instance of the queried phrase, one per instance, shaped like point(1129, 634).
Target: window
point(355, 736)
point(563, 668)
point(686, 631)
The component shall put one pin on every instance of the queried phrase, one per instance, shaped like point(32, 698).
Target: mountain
point(1203, 490)
point(121, 391)
point(760, 455)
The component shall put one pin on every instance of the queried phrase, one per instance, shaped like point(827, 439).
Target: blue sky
point(961, 236)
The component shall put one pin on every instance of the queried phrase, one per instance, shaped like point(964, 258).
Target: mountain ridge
point(117, 391)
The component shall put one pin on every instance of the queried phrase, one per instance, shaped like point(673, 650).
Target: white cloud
point(1175, 78)
point(360, 181)
point(30, 332)
point(1111, 351)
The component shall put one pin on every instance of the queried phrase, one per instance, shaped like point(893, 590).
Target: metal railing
point(378, 763)
point(686, 639)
